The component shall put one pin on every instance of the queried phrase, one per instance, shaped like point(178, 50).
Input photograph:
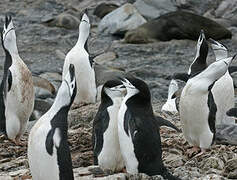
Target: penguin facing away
point(170, 105)
point(84, 70)
point(198, 108)
point(16, 90)
point(223, 90)
point(106, 146)
point(48, 150)
point(139, 139)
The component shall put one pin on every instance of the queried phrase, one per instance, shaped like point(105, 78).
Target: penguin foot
point(193, 151)
point(201, 153)
point(18, 142)
point(124, 170)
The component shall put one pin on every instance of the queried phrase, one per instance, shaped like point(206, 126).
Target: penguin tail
point(163, 122)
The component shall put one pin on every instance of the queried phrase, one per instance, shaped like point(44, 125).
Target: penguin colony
point(125, 133)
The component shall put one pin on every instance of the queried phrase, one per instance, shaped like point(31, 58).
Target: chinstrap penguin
point(48, 150)
point(223, 90)
point(16, 90)
point(199, 63)
point(198, 108)
point(170, 104)
point(84, 70)
point(139, 138)
point(106, 148)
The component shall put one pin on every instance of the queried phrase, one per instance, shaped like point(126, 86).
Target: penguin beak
point(202, 35)
point(212, 41)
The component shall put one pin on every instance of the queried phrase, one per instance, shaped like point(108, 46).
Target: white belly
point(223, 93)
point(85, 76)
point(194, 119)
point(126, 144)
point(110, 156)
point(19, 104)
point(42, 165)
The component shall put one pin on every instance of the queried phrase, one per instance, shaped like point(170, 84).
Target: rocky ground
point(43, 41)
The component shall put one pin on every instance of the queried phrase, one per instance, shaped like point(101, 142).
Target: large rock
point(121, 20)
point(177, 25)
point(152, 9)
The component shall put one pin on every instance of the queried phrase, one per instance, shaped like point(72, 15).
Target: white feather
point(110, 156)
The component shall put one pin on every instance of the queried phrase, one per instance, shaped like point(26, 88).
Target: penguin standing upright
point(198, 108)
point(139, 138)
point(170, 104)
point(48, 150)
point(84, 70)
point(106, 146)
point(17, 90)
point(223, 91)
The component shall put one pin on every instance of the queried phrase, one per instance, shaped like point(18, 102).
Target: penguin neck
point(220, 54)
point(82, 39)
point(13, 50)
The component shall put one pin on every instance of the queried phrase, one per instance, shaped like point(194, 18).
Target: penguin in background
point(48, 150)
point(199, 63)
point(84, 70)
point(106, 148)
point(170, 104)
point(198, 108)
point(16, 89)
point(139, 139)
point(223, 91)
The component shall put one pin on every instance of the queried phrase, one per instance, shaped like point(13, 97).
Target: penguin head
point(113, 89)
point(214, 71)
point(136, 87)
point(68, 88)
point(173, 88)
point(219, 49)
point(8, 34)
point(199, 62)
point(84, 26)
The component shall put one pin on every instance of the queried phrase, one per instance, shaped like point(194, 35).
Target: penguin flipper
point(7, 84)
point(163, 122)
point(181, 76)
point(64, 160)
point(232, 112)
point(100, 124)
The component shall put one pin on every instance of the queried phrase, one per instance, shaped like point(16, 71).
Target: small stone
point(212, 162)
point(20, 172)
point(231, 168)
point(174, 160)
